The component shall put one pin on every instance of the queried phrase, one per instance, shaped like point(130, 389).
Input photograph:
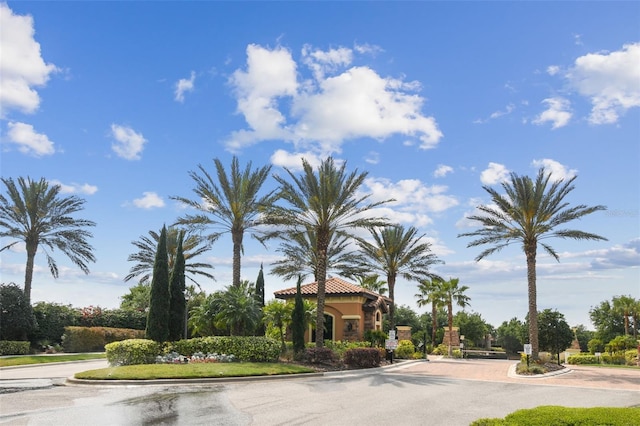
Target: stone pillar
point(404, 332)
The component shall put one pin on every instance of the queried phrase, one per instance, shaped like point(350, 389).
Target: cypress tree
point(261, 330)
point(158, 318)
point(297, 320)
point(177, 303)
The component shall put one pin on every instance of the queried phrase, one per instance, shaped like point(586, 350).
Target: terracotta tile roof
point(334, 287)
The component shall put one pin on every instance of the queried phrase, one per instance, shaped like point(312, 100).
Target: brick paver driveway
point(499, 371)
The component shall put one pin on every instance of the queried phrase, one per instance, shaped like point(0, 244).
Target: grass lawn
point(192, 371)
point(550, 415)
point(43, 359)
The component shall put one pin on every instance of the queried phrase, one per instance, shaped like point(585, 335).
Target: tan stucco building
point(349, 310)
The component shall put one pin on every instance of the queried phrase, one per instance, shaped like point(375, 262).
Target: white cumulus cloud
point(610, 80)
point(149, 200)
point(557, 112)
point(184, 85)
point(75, 188)
point(442, 170)
point(22, 67)
point(28, 140)
point(494, 173)
point(558, 171)
point(410, 195)
point(129, 144)
point(338, 102)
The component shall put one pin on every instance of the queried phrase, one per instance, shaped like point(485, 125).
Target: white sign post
point(527, 352)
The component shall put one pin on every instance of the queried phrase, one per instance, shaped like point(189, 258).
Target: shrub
point(581, 359)
point(90, 339)
point(595, 345)
point(11, 347)
point(362, 357)
point(548, 415)
point(405, 349)
point(319, 356)
point(244, 348)
point(615, 359)
point(441, 349)
point(631, 356)
point(375, 337)
point(339, 347)
point(132, 351)
point(51, 319)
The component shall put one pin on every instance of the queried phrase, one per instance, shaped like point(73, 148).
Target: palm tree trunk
point(236, 235)
point(434, 323)
point(391, 282)
point(32, 248)
point(323, 243)
point(450, 323)
point(530, 251)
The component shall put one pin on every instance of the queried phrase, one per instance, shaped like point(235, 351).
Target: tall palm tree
point(231, 205)
point(397, 251)
point(372, 282)
point(300, 256)
point(529, 213)
point(35, 213)
point(453, 294)
point(327, 203)
point(431, 291)
point(193, 245)
point(625, 307)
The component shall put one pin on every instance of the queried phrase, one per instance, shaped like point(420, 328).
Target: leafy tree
point(158, 318)
point(50, 320)
point(431, 291)
point(202, 316)
point(326, 203)
point(278, 314)
point(34, 213)
point(397, 252)
point(621, 344)
point(472, 327)
point(177, 302)
point(298, 323)
point(529, 213)
point(454, 294)
point(407, 316)
point(231, 205)
point(300, 256)
point(595, 345)
point(624, 306)
point(555, 334)
point(583, 336)
point(372, 282)
point(237, 309)
point(193, 245)
point(16, 315)
point(138, 298)
point(607, 323)
point(512, 335)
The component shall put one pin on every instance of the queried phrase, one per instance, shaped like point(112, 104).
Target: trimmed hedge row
point(132, 351)
point(94, 339)
point(249, 349)
point(14, 347)
point(629, 357)
point(362, 357)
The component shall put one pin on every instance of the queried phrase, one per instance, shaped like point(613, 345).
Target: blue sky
point(118, 101)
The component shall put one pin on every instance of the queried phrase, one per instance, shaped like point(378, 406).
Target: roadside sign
point(391, 344)
point(392, 334)
point(527, 349)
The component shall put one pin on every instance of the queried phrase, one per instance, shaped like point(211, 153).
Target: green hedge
point(94, 339)
point(629, 357)
point(132, 351)
point(405, 349)
point(13, 347)
point(249, 349)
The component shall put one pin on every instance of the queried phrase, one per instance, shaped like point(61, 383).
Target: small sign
point(527, 349)
point(597, 354)
point(391, 344)
point(392, 334)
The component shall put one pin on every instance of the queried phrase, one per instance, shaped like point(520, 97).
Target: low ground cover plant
point(555, 415)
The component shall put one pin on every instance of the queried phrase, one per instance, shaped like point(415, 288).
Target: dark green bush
point(375, 337)
point(51, 319)
point(362, 357)
point(132, 352)
point(244, 348)
point(319, 356)
point(94, 339)
point(12, 347)
point(16, 314)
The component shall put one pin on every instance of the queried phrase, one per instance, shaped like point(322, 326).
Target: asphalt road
point(415, 393)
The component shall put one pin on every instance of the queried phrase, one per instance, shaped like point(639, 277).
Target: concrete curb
point(512, 373)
